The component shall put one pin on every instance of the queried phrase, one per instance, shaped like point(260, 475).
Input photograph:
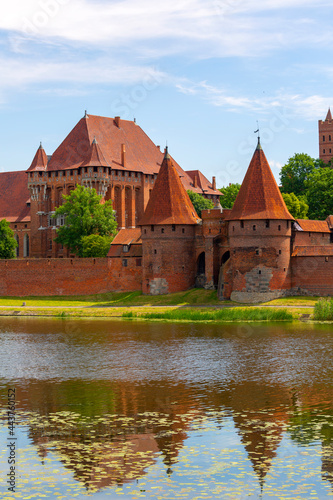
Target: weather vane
point(258, 130)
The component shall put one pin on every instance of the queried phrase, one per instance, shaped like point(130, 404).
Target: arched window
point(26, 249)
point(201, 263)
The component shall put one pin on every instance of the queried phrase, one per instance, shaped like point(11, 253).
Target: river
point(125, 410)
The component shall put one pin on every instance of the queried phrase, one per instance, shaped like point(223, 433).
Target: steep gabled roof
point(14, 197)
point(40, 160)
point(259, 196)
point(329, 115)
point(128, 236)
point(114, 135)
point(169, 203)
point(94, 157)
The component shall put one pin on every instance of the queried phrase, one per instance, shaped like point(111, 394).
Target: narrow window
point(124, 262)
point(323, 138)
point(267, 223)
point(183, 230)
point(233, 228)
point(279, 252)
point(152, 227)
point(254, 227)
point(257, 252)
point(279, 227)
point(329, 138)
point(162, 230)
point(324, 151)
point(259, 272)
point(309, 235)
point(326, 259)
point(173, 227)
point(138, 262)
point(155, 251)
point(145, 231)
point(242, 224)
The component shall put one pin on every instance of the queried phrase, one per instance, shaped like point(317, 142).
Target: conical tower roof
point(329, 115)
point(169, 203)
point(95, 157)
point(259, 196)
point(40, 160)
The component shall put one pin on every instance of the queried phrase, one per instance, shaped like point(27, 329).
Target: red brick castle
point(254, 252)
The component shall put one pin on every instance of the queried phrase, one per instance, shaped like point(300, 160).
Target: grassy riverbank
point(192, 305)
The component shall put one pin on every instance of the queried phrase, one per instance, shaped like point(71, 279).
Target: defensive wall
point(43, 277)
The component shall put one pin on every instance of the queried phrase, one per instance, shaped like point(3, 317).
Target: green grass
point(227, 314)
point(191, 297)
point(323, 310)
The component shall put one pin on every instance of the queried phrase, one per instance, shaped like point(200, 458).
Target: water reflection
point(113, 400)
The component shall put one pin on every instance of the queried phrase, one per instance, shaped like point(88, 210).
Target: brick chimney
point(214, 183)
point(123, 155)
point(195, 181)
point(117, 121)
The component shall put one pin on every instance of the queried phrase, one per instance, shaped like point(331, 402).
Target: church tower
point(259, 236)
point(168, 235)
point(326, 138)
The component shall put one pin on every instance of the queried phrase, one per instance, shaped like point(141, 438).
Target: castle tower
point(259, 236)
point(168, 235)
point(37, 185)
point(326, 138)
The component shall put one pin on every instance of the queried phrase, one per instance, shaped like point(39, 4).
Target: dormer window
point(125, 248)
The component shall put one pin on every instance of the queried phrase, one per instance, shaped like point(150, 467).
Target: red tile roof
point(40, 160)
point(14, 195)
point(203, 184)
point(111, 135)
point(169, 203)
point(128, 237)
point(312, 251)
point(314, 226)
point(259, 196)
point(94, 157)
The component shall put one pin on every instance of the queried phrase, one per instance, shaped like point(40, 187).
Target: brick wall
point(306, 238)
point(313, 275)
point(40, 277)
point(168, 258)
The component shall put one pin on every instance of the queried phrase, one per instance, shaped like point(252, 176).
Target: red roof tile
point(314, 226)
point(127, 237)
point(169, 203)
point(40, 160)
point(203, 184)
point(14, 195)
point(111, 135)
point(312, 251)
point(259, 196)
point(94, 157)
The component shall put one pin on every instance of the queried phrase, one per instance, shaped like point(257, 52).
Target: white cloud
point(204, 27)
point(291, 104)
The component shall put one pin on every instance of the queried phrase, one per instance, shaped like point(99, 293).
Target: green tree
point(199, 202)
point(319, 193)
point(95, 245)
point(84, 215)
point(296, 172)
point(230, 193)
point(7, 241)
point(297, 206)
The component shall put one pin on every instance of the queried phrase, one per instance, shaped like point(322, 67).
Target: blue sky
point(195, 73)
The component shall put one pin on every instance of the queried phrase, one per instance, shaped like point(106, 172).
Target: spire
point(40, 160)
point(259, 145)
point(94, 157)
point(169, 203)
point(329, 115)
point(259, 196)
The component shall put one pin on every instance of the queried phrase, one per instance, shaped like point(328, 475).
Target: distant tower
point(168, 235)
point(259, 235)
point(326, 138)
